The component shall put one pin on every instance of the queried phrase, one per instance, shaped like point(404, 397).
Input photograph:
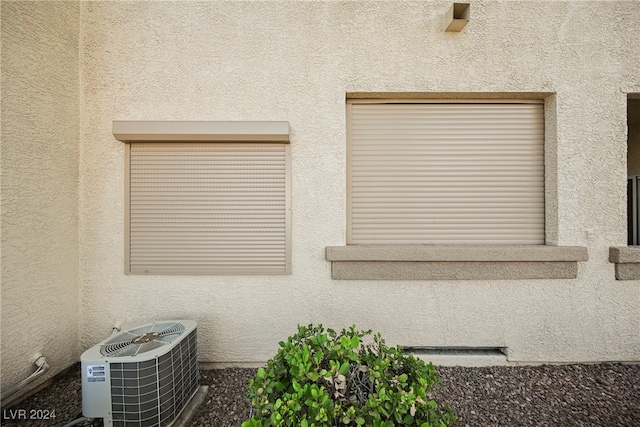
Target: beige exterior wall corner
point(40, 182)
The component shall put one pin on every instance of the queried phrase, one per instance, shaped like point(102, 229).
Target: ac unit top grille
point(143, 339)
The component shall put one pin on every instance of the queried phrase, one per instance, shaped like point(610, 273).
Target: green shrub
point(322, 378)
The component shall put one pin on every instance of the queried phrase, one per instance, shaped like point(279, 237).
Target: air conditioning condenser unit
point(142, 376)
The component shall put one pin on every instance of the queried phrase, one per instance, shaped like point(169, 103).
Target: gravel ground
point(605, 395)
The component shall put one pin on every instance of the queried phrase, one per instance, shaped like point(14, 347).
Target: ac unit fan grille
point(152, 393)
point(141, 340)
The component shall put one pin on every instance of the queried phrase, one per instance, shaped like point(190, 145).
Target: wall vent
point(461, 356)
point(458, 16)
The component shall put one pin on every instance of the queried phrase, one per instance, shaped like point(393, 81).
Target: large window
point(445, 172)
point(207, 207)
point(451, 190)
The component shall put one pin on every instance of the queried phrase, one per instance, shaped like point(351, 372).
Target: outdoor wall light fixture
point(457, 16)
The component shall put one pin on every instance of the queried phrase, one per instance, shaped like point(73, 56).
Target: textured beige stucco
point(297, 62)
point(40, 144)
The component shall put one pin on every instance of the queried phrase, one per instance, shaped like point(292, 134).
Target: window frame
point(468, 262)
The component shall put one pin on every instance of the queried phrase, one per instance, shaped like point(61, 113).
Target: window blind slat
point(446, 173)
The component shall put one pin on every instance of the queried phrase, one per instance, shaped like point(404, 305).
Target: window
point(445, 172)
point(451, 190)
point(633, 171)
point(207, 207)
point(627, 258)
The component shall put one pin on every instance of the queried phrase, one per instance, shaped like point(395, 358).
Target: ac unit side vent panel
point(153, 395)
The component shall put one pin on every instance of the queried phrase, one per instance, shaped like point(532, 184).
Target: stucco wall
point(296, 61)
point(40, 142)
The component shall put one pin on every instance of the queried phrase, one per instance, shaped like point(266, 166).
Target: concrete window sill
point(627, 261)
point(436, 262)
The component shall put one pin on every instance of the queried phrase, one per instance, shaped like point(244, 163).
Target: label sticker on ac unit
point(96, 373)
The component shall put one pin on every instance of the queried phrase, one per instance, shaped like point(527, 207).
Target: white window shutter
point(446, 173)
point(208, 208)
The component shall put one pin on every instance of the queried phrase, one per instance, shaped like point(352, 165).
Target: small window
point(633, 171)
point(445, 172)
point(207, 207)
